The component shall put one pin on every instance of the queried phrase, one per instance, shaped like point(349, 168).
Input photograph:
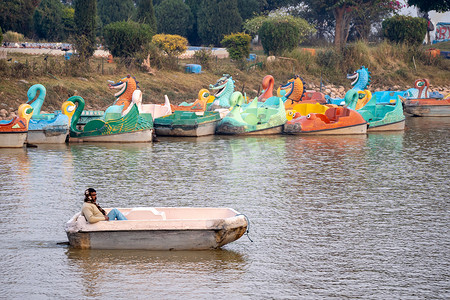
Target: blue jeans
point(116, 214)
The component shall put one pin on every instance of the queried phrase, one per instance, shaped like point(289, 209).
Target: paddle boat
point(293, 92)
point(13, 133)
point(131, 128)
point(198, 105)
point(420, 102)
point(325, 120)
point(187, 123)
point(159, 228)
point(47, 128)
point(380, 117)
point(255, 118)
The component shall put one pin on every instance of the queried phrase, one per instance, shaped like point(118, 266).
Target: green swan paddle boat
point(254, 119)
point(131, 128)
point(381, 117)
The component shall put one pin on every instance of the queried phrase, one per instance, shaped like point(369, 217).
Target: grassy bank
point(392, 67)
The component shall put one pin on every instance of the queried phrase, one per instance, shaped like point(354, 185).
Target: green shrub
point(283, 33)
point(203, 57)
point(237, 44)
point(1, 35)
point(405, 29)
point(124, 39)
point(13, 37)
point(328, 59)
point(355, 55)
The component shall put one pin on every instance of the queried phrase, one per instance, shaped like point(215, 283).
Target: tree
point(47, 20)
point(216, 18)
point(193, 36)
point(146, 14)
point(249, 8)
point(85, 15)
point(125, 39)
point(115, 10)
point(344, 12)
point(17, 15)
point(68, 22)
point(370, 13)
point(174, 17)
point(428, 5)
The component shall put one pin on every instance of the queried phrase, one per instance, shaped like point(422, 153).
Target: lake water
point(363, 217)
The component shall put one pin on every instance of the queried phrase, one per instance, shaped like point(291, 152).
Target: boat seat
point(249, 118)
point(145, 213)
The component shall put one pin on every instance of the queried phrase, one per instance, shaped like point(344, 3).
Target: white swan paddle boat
point(159, 228)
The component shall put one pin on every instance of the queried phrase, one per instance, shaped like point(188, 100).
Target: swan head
point(204, 95)
point(68, 108)
point(25, 111)
point(32, 91)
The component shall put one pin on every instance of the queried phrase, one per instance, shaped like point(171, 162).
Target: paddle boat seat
point(145, 213)
point(334, 113)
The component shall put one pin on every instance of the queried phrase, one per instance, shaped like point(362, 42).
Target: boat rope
point(248, 226)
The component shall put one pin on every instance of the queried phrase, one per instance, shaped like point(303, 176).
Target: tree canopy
point(174, 17)
point(428, 5)
point(217, 18)
point(146, 14)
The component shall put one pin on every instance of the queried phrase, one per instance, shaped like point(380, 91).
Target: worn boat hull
point(142, 136)
point(419, 108)
point(397, 126)
point(354, 129)
point(224, 128)
point(160, 229)
point(48, 136)
point(201, 129)
point(12, 139)
point(155, 240)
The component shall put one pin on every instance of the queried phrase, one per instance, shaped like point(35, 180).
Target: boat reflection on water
point(386, 141)
point(15, 166)
point(152, 271)
point(331, 146)
point(428, 123)
point(188, 139)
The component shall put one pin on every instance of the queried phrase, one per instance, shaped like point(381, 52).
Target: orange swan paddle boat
point(334, 120)
point(13, 133)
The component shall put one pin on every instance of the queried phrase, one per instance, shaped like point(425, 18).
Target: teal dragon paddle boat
point(381, 117)
point(255, 119)
point(187, 123)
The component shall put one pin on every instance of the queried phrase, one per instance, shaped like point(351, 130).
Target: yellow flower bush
point(172, 44)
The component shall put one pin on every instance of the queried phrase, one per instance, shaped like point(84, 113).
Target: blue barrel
point(193, 68)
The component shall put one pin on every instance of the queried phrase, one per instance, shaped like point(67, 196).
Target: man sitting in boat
point(94, 213)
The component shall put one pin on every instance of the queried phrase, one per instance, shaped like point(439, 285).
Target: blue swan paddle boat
point(51, 128)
